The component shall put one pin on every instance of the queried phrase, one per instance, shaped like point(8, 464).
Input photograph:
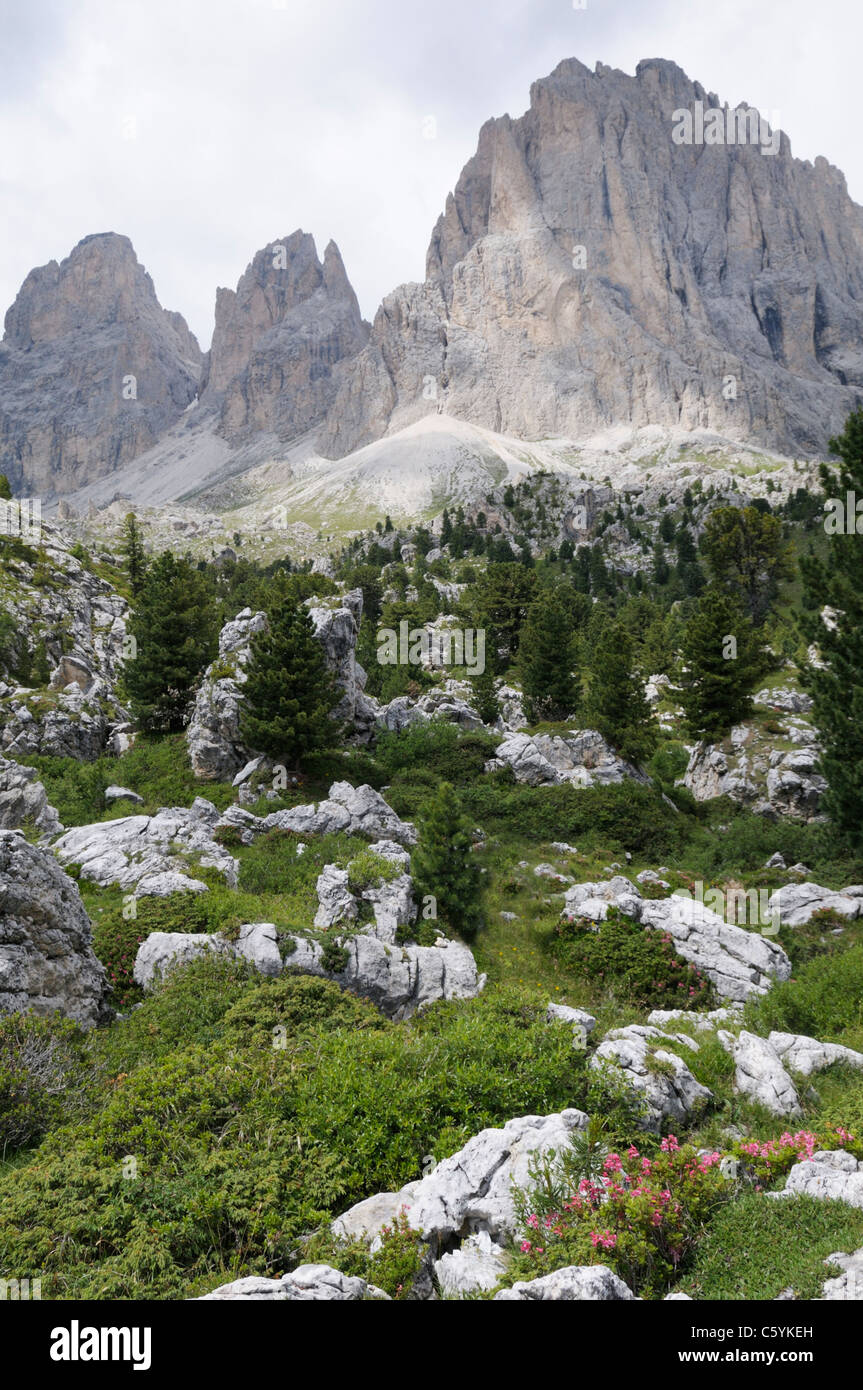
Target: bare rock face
point(589, 270)
point(92, 369)
point(46, 957)
point(279, 338)
point(24, 801)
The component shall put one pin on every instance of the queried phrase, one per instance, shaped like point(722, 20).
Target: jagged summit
point(92, 369)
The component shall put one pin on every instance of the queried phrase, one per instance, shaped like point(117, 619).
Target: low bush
point(823, 1000)
point(45, 1073)
point(640, 1216)
point(636, 964)
point(438, 747)
point(756, 1249)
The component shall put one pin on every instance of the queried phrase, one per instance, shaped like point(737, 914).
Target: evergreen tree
point(443, 864)
point(660, 564)
point(503, 595)
point(289, 691)
point(723, 657)
point(5, 489)
point(836, 581)
point(174, 628)
point(617, 705)
point(132, 550)
point(41, 672)
point(547, 660)
point(747, 555)
point(484, 696)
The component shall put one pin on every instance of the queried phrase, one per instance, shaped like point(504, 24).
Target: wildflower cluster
point(769, 1159)
point(639, 1215)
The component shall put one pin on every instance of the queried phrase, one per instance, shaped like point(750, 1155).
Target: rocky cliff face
point(279, 339)
point(92, 369)
point(589, 270)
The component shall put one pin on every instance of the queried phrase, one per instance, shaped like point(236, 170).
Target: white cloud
point(205, 128)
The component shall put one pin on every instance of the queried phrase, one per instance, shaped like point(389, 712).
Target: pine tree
point(132, 550)
point(289, 691)
point(837, 688)
point(617, 705)
point(5, 489)
point(443, 865)
point(547, 661)
point(747, 555)
point(484, 697)
point(723, 657)
point(41, 672)
point(174, 629)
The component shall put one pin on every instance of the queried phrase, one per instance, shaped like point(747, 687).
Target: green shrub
point(756, 1248)
point(823, 1000)
point(44, 1072)
point(370, 870)
point(635, 963)
point(440, 748)
point(299, 1004)
point(626, 816)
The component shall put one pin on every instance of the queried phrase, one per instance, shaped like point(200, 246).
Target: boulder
point(807, 1055)
point(162, 952)
point(135, 848)
point(669, 1090)
point(583, 758)
point(830, 1174)
point(398, 980)
point(760, 1075)
point(849, 1284)
point(348, 810)
point(796, 903)
point(24, 801)
point(46, 955)
point(472, 1190)
point(571, 1284)
point(114, 794)
point(309, 1283)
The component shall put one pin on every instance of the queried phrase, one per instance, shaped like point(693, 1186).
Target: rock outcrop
point(308, 1283)
point(658, 1077)
point(582, 758)
point(132, 851)
point(46, 956)
point(216, 749)
point(347, 810)
point(92, 369)
point(571, 1284)
point(24, 801)
point(537, 319)
point(747, 768)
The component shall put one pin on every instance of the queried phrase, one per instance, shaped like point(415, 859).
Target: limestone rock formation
point(216, 750)
point(46, 957)
point(24, 801)
point(308, 1283)
point(582, 757)
point(590, 270)
point(131, 850)
point(570, 1284)
point(668, 1091)
point(279, 339)
point(92, 369)
point(347, 810)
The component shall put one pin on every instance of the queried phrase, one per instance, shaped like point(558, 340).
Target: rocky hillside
point(92, 369)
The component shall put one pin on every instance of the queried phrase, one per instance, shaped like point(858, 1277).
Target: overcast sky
point(204, 129)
